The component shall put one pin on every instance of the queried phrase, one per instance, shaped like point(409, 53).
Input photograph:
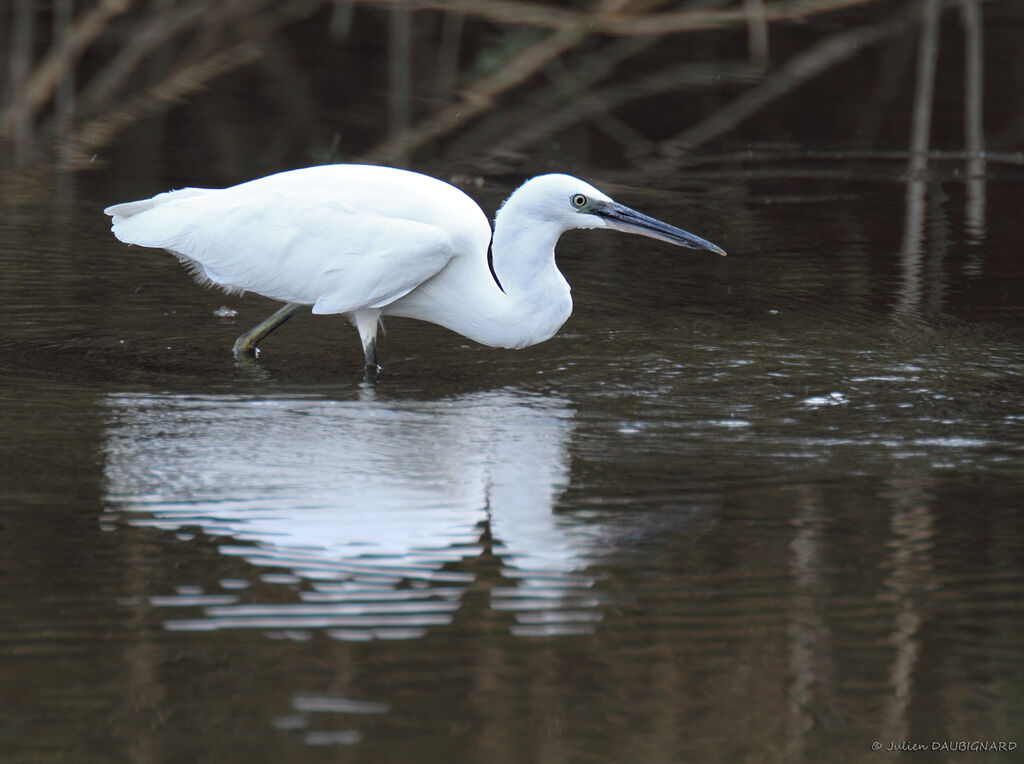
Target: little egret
point(371, 241)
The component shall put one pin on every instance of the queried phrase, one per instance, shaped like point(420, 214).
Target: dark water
point(768, 507)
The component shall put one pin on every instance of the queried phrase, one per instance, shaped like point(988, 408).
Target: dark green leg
point(372, 367)
point(246, 344)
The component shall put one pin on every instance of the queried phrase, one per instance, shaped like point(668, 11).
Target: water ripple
point(377, 518)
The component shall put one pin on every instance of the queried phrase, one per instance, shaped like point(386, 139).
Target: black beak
point(622, 218)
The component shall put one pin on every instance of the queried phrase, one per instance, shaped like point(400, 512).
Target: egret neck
point(529, 307)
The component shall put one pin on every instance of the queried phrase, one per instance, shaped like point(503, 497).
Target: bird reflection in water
point(385, 513)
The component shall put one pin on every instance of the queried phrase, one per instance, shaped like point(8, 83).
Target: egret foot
point(245, 346)
point(372, 372)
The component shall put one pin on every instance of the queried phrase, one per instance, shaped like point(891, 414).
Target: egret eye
point(578, 201)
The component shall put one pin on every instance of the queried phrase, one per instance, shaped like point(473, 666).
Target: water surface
point(765, 507)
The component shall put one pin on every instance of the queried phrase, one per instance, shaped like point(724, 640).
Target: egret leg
point(246, 344)
point(372, 367)
point(367, 321)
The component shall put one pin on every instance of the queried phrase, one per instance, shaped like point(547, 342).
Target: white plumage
point(369, 241)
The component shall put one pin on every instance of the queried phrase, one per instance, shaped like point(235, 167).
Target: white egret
point(371, 241)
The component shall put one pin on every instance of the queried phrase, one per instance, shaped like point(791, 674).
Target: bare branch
point(794, 73)
point(530, 14)
point(146, 38)
point(172, 89)
point(43, 81)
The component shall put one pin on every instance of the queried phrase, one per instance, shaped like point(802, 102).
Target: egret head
point(572, 203)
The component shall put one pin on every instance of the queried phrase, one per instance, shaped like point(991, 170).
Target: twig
point(448, 55)
point(531, 14)
point(974, 79)
point(194, 75)
point(479, 96)
point(41, 84)
point(511, 12)
point(399, 69)
point(911, 254)
point(974, 107)
point(686, 21)
point(64, 101)
point(538, 106)
point(172, 89)
point(757, 33)
point(589, 105)
point(145, 38)
point(19, 65)
point(794, 73)
point(927, 56)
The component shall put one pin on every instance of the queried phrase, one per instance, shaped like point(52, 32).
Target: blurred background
point(767, 507)
point(246, 88)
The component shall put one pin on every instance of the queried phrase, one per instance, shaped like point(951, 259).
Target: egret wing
point(294, 244)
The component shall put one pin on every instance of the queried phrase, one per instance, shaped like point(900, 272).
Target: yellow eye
point(578, 201)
